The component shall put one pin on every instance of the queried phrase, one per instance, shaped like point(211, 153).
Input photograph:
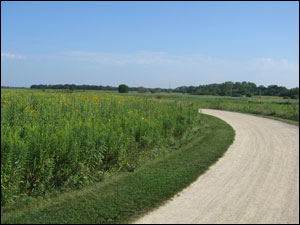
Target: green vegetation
point(237, 89)
point(155, 90)
point(123, 197)
point(270, 106)
point(123, 88)
point(88, 87)
point(55, 140)
point(142, 90)
point(106, 157)
point(284, 111)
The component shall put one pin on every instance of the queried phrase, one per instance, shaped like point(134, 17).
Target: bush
point(123, 88)
point(142, 90)
point(236, 95)
point(249, 94)
point(155, 90)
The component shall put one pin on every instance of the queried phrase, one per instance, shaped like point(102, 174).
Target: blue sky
point(152, 44)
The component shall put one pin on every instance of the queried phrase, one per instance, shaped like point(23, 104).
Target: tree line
point(238, 89)
point(99, 87)
point(235, 89)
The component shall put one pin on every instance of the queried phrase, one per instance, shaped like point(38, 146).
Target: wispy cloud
point(261, 64)
point(7, 55)
point(269, 64)
point(139, 58)
point(155, 69)
point(189, 68)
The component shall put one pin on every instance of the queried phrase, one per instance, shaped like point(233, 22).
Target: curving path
point(256, 181)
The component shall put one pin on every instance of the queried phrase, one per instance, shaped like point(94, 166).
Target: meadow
point(52, 140)
point(104, 157)
point(274, 107)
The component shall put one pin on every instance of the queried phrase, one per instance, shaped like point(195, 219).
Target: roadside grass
point(124, 197)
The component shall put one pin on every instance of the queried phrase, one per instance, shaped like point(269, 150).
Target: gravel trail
point(256, 181)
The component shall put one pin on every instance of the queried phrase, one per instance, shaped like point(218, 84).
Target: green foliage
point(155, 90)
point(238, 89)
point(142, 90)
point(249, 94)
point(123, 88)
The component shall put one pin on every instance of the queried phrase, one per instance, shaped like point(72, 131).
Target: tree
point(72, 87)
point(142, 90)
point(123, 88)
point(226, 88)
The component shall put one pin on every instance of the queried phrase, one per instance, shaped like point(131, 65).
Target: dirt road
point(256, 181)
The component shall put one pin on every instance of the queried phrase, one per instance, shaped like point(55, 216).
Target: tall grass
point(51, 140)
point(266, 105)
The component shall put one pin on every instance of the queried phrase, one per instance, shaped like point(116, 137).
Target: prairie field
point(270, 106)
point(57, 140)
point(60, 141)
point(53, 139)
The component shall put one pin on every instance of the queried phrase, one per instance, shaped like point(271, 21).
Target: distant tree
point(155, 90)
point(182, 89)
point(294, 93)
point(261, 90)
point(295, 96)
point(142, 90)
point(72, 87)
point(226, 89)
point(123, 88)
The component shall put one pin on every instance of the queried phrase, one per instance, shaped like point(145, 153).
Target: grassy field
point(269, 106)
point(53, 140)
point(105, 157)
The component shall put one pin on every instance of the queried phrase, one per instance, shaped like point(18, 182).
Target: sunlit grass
point(51, 139)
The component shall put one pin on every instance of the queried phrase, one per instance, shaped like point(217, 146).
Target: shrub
point(123, 88)
point(155, 90)
point(249, 94)
point(142, 90)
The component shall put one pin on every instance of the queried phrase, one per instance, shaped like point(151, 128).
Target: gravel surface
point(256, 181)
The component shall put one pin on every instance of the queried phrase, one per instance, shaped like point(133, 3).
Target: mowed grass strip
point(127, 196)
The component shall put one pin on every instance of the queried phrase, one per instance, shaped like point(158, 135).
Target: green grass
point(268, 106)
point(123, 197)
point(52, 140)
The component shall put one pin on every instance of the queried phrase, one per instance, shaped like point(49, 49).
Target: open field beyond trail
point(257, 180)
point(273, 107)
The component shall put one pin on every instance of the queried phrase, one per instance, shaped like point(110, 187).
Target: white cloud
point(6, 55)
point(268, 64)
point(191, 69)
point(138, 58)
point(158, 69)
point(268, 71)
